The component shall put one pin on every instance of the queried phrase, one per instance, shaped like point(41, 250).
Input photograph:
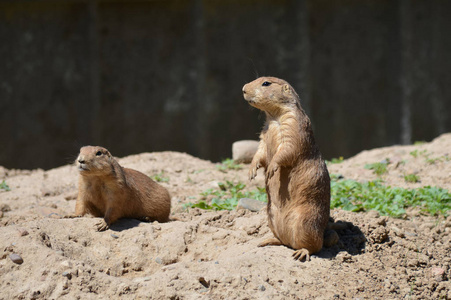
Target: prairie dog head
point(94, 160)
point(270, 94)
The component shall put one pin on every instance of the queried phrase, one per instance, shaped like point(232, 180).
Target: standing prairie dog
point(105, 189)
point(296, 176)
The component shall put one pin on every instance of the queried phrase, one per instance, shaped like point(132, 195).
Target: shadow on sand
point(350, 239)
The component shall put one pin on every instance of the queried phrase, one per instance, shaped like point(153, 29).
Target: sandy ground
point(214, 255)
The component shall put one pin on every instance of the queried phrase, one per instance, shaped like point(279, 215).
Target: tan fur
point(105, 189)
point(297, 180)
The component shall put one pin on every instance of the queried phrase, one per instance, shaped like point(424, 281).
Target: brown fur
point(105, 189)
point(297, 180)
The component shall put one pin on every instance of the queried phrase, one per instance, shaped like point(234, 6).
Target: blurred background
point(142, 76)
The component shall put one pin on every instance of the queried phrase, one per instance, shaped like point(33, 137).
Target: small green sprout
point(227, 196)
point(335, 160)
point(4, 186)
point(378, 168)
point(228, 164)
point(411, 178)
point(160, 177)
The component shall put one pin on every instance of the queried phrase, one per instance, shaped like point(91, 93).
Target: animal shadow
point(128, 223)
point(350, 239)
point(125, 224)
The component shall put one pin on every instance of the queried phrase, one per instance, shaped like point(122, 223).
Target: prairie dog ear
point(286, 90)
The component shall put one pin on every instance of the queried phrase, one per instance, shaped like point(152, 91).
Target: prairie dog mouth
point(249, 98)
point(82, 167)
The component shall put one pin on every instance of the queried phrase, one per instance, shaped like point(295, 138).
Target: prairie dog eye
point(266, 83)
point(98, 153)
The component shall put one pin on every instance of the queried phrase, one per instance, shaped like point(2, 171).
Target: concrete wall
point(139, 76)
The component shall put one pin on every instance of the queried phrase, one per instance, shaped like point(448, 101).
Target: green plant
point(335, 160)
point(416, 153)
point(430, 160)
point(433, 160)
point(439, 159)
point(227, 196)
point(228, 164)
point(4, 186)
point(411, 178)
point(392, 201)
point(346, 194)
point(160, 177)
point(378, 168)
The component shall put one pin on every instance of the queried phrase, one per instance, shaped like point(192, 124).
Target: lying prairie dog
point(107, 190)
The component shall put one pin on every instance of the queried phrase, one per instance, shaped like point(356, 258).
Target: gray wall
point(139, 76)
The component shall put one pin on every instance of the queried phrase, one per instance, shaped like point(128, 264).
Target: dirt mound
point(214, 255)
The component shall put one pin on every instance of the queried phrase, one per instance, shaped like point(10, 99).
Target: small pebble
point(412, 262)
point(373, 214)
point(250, 204)
point(213, 185)
point(16, 258)
point(48, 212)
point(142, 279)
point(66, 264)
point(23, 232)
point(66, 284)
point(72, 196)
point(204, 282)
point(46, 192)
point(261, 288)
point(159, 260)
point(244, 151)
point(383, 221)
point(5, 208)
point(344, 257)
point(67, 274)
point(398, 232)
point(436, 271)
point(114, 236)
